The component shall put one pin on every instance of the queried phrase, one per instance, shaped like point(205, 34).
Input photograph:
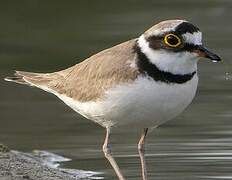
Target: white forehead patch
point(195, 38)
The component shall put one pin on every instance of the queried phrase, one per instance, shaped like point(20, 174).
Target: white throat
point(173, 62)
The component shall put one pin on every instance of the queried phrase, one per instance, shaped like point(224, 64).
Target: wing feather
point(88, 80)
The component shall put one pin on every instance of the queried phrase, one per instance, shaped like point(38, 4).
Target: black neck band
point(146, 67)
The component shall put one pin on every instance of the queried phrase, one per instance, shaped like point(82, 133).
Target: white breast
point(144, 103)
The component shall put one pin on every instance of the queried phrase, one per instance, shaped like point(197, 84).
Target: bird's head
point(174, 46)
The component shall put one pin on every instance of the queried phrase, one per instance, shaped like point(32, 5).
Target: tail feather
point(16, 79)
point(24, 73)
point(29, 78)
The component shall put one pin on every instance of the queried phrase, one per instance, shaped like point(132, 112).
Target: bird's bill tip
point(204, 52)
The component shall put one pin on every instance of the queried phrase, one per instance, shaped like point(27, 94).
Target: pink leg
point(141, 149)
point(109, 157)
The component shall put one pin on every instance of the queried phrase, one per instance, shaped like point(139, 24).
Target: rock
point(15, 165)
point(4, 148)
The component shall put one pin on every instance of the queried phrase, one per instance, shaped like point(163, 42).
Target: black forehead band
point(186, 27)
point(182, 28)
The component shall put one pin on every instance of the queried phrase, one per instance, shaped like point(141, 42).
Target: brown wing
point(89, 79)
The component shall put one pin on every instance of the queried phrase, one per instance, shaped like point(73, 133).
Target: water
point(47, 36)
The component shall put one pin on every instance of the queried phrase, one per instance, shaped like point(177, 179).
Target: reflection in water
point(197, 145)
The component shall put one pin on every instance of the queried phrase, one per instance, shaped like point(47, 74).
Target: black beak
point(203, 52)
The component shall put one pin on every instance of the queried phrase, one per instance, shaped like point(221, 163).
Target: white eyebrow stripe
point(194, 38)
point(160, 32)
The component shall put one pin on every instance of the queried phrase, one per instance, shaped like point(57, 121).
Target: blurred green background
point(46, 36)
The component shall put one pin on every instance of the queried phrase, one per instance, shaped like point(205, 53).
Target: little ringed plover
point(142, 82)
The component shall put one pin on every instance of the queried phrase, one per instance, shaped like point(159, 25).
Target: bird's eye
point(172, 40)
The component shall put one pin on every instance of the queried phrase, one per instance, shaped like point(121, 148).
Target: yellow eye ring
point(172, 40)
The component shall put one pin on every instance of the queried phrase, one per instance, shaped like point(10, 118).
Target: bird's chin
point(193, 57)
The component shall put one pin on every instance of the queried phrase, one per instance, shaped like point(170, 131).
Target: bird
point(140, 84)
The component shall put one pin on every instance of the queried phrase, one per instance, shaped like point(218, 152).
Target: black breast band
point(146, 67)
